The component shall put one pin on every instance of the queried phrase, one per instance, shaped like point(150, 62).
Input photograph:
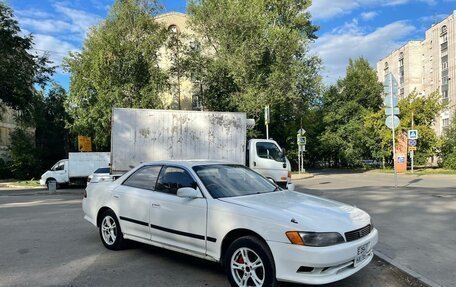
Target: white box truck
point(76, 168)
point(141, 135)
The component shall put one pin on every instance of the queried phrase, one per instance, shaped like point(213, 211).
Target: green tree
point(448, 151)
point(424, 110)
point(20, 69)
point(51, 134)
point(118, 67)
point(255, 53)
point(344, 141)
point(24, 155)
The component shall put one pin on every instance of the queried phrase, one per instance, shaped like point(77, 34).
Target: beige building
point(427, 66)
point(7, 125)
point(182, 91)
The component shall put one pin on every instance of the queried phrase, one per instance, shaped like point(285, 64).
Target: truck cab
point(268, 159)
point(57, 173)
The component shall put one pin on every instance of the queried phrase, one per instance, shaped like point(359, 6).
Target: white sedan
point(229, 214)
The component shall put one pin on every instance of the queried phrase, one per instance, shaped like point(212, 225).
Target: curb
point(407, 270)
point(301, 176)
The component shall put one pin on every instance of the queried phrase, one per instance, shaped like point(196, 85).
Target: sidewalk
point(296, 176)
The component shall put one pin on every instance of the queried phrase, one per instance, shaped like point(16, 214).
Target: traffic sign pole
point(412, 153)
point(394, 130)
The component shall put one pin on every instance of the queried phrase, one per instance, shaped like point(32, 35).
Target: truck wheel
point(249, 262)
point(110, 232)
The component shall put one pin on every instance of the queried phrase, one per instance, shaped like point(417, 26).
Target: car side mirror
point(284, 155)
point(188, 192)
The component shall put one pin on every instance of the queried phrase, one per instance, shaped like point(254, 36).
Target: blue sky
point(348, 28)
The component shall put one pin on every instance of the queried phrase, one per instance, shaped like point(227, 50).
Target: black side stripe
point(134, 221)
point(191, 235)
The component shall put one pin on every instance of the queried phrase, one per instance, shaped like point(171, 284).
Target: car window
point(223, 180)
point(269, 151)
point(102, 170)
point(173, 178)
point(60, 166)
point(144, 178)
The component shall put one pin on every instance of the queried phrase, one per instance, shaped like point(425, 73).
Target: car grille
point(358, 233)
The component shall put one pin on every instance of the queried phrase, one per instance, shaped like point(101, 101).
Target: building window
point(444, 66)
point(445, 122)
point(445, 96)
point(444, 29)
point(173, 29)
point(445, 80)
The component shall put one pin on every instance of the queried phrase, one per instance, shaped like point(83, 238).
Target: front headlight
point(315, 239)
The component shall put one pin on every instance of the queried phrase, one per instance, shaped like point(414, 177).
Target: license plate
point(362, 254)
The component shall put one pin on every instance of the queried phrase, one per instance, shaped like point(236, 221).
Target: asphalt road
point(46, 242)
point(416, 221)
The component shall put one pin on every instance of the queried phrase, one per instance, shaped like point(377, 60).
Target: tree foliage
point(448, 150)
point(254, 53)
point(24, 162)
point(51, 134)
point(344, 141)
point(118, 67)
point(20, 68)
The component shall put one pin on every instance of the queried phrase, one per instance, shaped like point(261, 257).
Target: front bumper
point(322, 264)
point(42, 182)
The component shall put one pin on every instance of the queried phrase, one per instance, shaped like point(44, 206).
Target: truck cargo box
point(83, 164)
point(140, 135)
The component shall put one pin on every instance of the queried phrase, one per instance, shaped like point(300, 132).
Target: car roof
point(189, 163)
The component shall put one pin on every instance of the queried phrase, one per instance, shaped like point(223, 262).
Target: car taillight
point(85, 193)
point(289, 174)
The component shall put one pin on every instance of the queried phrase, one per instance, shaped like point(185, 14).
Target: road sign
point(301, 131)
point(389, 79)
point(413, 134)
point(392, 122)
point(387, 101)
point(84, 143)
point(389, 111)
point(301, 140)
point(266, 115)
point(412, 142)
point(412, 148)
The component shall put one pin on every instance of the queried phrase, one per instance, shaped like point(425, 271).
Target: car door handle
point(116, 196)
point(155, 205)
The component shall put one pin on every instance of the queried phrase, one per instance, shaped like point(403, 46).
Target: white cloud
point(47, 25)
point(369, 15)
point(336, 48)
point(56, 33)
point(82, 20)
point(325, 9)
point(55, 48)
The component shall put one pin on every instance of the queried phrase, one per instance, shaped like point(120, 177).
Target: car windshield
point(222, 180)
point(102, 170)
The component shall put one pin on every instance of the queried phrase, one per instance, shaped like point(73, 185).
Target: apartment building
point(182, 94)
point(427, 66)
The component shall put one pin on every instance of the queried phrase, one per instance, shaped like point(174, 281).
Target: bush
point(5, 169)
point(449, 162)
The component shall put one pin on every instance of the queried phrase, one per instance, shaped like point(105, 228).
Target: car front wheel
point(110, 232)
point(248, 262)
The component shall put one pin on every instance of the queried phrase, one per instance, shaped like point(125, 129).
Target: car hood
point(311, 213)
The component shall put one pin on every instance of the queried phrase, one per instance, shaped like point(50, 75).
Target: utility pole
point(412, 152)
point(394, 130)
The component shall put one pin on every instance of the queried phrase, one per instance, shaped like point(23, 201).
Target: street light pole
point(394, 130)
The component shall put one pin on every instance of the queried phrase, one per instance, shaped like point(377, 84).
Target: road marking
point(38, 202)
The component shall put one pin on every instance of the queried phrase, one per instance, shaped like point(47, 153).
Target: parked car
point(230, 214)
point(100, 175)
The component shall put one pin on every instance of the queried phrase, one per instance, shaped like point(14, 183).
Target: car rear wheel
point(248, 262)
point(110, 232)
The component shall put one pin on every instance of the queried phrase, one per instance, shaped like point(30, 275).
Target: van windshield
point(224, 180)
